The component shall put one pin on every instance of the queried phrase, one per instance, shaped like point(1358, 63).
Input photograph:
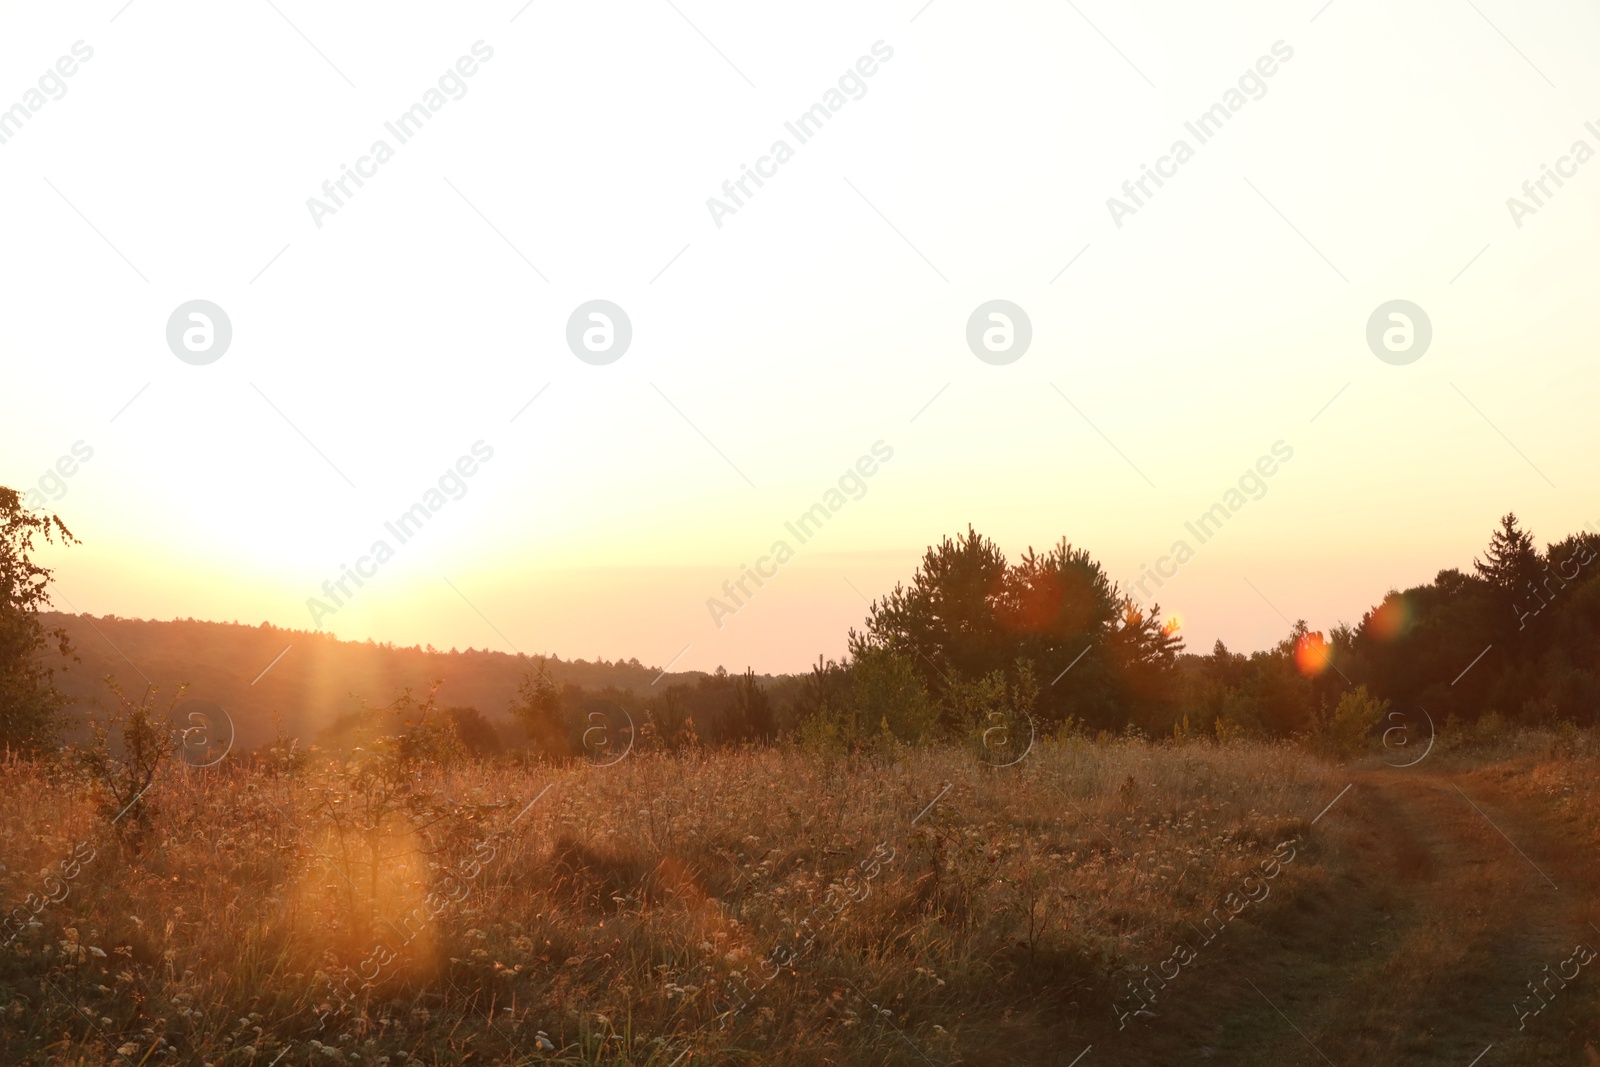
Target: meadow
point(757, 906)
point(930, 853)
point(1103, 900)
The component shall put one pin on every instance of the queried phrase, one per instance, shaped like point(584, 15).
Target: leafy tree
point(1345, 733)
point(538, 707)
point(890, 698)
point(876, 700)
point(969, 613)
point(477, 734)
point(120, 780)
point(30, 707)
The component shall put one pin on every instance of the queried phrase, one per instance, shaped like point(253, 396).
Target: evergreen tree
point(753, 709)
point(1511, 561)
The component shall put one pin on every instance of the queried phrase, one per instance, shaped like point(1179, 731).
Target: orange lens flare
point(1390, 619)
point(1312, 655)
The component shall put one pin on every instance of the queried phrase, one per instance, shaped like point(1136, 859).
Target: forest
point(973, 642)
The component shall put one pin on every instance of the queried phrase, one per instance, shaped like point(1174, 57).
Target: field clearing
point(762, 906)
point(1099, 902)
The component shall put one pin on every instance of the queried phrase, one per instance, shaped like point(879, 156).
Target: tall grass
point(760, 906)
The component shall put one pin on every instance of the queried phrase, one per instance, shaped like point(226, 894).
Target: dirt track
point(1414, 946)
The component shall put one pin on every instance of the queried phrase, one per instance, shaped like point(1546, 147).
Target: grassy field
point(1097, 903)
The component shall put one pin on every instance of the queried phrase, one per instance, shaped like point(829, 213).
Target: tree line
point(975, 638)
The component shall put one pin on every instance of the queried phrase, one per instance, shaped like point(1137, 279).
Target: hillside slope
point(317, 678)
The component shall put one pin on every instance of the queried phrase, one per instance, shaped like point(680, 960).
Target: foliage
point(886, 703)
point(1523, 630)
point(969, 613)
point(538, 708)
point(122, 775)
point(383, 804)
point(30, 706)
point(753, 708)
point(1346, 732)
point(610, 921)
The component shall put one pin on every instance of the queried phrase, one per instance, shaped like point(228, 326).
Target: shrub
point(121, 780)
point(1345, 734)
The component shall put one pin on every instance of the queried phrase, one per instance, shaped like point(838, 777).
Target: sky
point(387, 338)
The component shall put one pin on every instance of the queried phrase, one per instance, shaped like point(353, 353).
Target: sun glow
point(1312, 655)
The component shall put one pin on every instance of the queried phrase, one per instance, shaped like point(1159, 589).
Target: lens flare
point(1312, 655)
point(1389, 620)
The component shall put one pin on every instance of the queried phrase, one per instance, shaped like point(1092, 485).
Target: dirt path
point(1435, 899)
point(1448, 896)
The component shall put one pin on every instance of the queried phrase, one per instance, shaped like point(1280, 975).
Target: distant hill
point(318, 679)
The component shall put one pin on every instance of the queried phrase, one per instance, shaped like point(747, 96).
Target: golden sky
point(771, 348)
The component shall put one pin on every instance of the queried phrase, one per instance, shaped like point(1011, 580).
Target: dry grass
point(612, 921)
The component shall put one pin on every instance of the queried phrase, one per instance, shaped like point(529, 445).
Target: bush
point(1346, 733)
point(121, 780)
point(885, 704)
point(538, 709)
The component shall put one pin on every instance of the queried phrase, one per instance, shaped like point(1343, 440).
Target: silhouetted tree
point(1511, 564)
point(968, 614)
point(538, 707)
point(30, 707)
point(477, 734)
point(826, 688)
point(753, 708)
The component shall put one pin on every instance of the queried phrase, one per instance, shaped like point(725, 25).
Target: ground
point(921, 907)
point(1445, 892)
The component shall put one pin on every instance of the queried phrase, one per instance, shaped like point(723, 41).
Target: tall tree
point(30, 706)
point(752, 709)
point(968, 615)
point(1510, 561)
point(946, 619)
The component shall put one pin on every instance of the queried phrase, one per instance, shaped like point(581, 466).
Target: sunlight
point(1312, 655)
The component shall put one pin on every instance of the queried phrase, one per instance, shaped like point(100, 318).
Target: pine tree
point(753, 709)
point(1512, 561)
